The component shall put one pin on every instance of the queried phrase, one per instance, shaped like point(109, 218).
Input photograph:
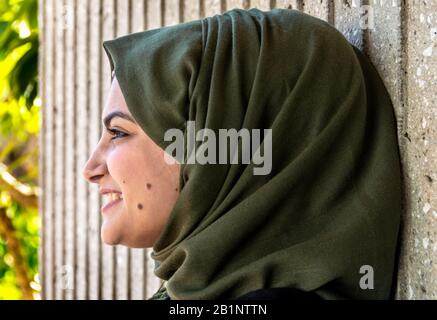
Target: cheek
point(137, 175)
point(149, 190)
point(127, 167)
point(121, 164)
point(140, 172)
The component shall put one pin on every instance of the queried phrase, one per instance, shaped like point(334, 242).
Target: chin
point(111, 234)
point(108, 236)
point(136, 244)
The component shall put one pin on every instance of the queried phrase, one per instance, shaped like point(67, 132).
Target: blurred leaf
point(19, 127)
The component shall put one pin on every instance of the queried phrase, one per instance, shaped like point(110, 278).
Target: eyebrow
point(112, 115)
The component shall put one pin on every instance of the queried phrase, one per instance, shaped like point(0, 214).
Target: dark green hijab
point(332, 201)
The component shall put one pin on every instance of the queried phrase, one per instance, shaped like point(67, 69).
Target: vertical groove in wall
point(129, 14)
point(82, 151)
point(51, 163)
point(114, 254)
point(70, 147)
point(180, 11)
point(66, 183)
point(60, 150)
point(137, 264)
point(403, 277)
point(99, 133)
point(366, 35)
point(88, 147)
point(403, 70)
point(115, 10)
point(53, 160)
point(73, 85)
point(130, 253)
point(153, 282)
point(64, 273)
point(107, 257)
point(300, 5)
point(201, 9)
point(48, 276)
point(331, 12)
point(129, 274)
point(162, 12)
point(122, 253)
point(57, 137)
point(147, 272)
point(42, 145)
point(93, 138)
point(145, 10)
point(385, 48)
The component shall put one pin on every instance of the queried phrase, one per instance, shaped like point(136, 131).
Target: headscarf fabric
point(330, 206)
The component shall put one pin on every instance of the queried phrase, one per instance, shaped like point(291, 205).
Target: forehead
point(115, 100)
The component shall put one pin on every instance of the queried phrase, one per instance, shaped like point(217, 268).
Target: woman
point(321, 222)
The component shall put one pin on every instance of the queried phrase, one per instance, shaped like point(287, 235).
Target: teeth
point(109, 197)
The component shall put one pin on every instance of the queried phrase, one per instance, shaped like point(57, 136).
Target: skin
point(130, 162)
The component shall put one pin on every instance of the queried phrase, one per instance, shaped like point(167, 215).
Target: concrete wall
point(418, 102)
point(398, 35)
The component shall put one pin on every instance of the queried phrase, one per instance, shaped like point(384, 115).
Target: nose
point(95, 168)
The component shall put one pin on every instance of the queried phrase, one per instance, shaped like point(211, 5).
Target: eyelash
point(116, 134)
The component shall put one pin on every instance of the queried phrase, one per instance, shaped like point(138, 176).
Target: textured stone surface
point(418, 268)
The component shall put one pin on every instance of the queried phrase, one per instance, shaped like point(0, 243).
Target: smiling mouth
point(113, 198)
point(108, 206)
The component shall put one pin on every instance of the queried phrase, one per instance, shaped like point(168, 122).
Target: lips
point(108, 190)
point(110, 198)
point(111, 204)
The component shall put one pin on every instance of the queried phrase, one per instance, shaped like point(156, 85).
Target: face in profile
point(138, 186)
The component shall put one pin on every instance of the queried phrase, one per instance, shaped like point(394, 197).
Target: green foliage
point(19, 127)
point(19, 48)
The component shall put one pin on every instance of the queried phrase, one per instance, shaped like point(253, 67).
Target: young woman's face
point(140, 187)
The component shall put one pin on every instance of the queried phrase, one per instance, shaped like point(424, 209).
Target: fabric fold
point(331, 203)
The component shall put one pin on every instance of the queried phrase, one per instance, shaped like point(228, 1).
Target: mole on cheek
point(140, 206)
point(149, 186)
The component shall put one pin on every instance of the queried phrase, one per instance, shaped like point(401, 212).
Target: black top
point(281, 294)
point(284, 294)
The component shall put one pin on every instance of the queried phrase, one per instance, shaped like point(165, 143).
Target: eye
point(116, 133)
